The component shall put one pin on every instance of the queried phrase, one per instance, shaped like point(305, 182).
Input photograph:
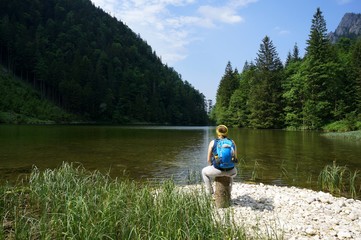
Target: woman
point(214, 169)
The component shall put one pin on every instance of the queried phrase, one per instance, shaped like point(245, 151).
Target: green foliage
point(356, 66)
point(349, 123)
point(93, 65)
point(353, 135)
point(318, 43)
point(339, 179)
point(293, 95)
point(265, 103)
point(19, 103)
point(228, 84)
point(339, 126)
point(320, 76)
point(321, 89)
point(72, 203)
point(239, 103)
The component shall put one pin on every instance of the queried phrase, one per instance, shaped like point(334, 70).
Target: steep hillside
point(21, 104)
point(92, 64)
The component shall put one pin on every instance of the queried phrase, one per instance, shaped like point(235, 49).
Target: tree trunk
point(223, 192)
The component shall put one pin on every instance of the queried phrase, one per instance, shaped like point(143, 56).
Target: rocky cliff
point(350, 26)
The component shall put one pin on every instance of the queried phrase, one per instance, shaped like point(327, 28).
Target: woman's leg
point(209, 173)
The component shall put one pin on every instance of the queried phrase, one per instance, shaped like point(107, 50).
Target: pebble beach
point(278, 212)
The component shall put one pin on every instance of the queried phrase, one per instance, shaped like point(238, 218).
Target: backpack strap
point(215, 144)
point(214, 152)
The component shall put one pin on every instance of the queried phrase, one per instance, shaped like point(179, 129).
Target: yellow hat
point(222, 130)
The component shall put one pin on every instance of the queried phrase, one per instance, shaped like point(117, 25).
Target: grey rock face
point(350, 26)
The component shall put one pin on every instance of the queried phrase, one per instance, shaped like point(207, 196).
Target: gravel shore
point(294, 213)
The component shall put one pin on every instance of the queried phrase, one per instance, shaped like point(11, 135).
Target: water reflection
point(270, 156)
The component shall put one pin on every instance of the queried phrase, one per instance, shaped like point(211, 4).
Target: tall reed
point(72, 203)
point(256, 168)
point(340, 180)
point(355, 178)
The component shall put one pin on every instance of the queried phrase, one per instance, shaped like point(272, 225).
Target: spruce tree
point(228, 84)
point(238, 106)
point(318, 43)
point(293, 94)
point(296, 53)
point(294, 57)
point(265, 92)
point(293, 89)
point(321, 75)
point(288, 59)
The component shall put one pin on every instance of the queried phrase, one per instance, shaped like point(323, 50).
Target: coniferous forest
point(321, 90)
point(95, 68)
point(91, 65)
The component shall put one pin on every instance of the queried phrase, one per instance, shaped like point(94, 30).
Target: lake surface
point(153, 153)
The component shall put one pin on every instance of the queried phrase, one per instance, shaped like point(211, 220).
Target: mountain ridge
point(349, 26)
point(93, 65)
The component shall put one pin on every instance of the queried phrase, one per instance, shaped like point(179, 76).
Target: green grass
point(353, 135)
point(340, 180)
point(71, 203)
point(335, 179)
point(21, 104)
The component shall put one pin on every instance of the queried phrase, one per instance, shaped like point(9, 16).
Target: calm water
point(276, 157)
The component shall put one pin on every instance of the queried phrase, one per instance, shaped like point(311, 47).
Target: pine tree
point(288, 59)
point(296, 53)
point(228, 84)
point(318, 43)
point(293, 89)
point(293, 94)
point(321, 73)
point(238, 106)
point(265, 92)
point(294, 57)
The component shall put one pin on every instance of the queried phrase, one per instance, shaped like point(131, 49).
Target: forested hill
point(92, 64)
point(321, 90)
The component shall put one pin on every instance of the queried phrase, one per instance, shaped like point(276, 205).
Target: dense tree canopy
point(265, 92)
point(228, 84)
point(92, 64)
point(321, 88)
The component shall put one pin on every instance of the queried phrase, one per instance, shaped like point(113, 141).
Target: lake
point(157, 152)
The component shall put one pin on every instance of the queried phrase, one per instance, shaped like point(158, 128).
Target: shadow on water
point(155, 153)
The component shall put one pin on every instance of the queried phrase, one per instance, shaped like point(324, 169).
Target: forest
point(91, 65)
point(319, 91)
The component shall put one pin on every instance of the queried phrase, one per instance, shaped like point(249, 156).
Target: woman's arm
point(209, 155)
point(235, 149)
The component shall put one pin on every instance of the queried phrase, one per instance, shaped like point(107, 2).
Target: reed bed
point(340, 180)
point(351, 135)
point(71, 203)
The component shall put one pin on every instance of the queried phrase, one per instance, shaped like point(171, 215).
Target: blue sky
point(198, 37)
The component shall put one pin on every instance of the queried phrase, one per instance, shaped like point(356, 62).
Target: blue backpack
point(223, 153)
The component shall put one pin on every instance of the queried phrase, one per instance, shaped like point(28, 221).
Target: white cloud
point(163, 25)
point(219, 14)
point(281, 31)
point(240, 3)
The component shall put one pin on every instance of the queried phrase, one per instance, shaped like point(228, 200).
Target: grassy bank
point(71, 203)
point(353, 135)
point(20, 104)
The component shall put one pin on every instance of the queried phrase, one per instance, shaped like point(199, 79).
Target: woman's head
point(222, 131)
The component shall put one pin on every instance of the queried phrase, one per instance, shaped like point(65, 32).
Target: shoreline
point(294, 213)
